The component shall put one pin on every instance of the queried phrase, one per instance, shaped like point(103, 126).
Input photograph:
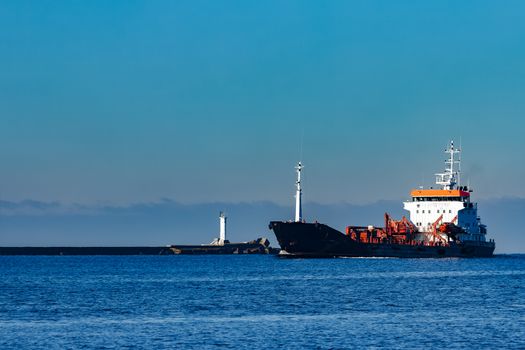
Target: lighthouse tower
point(222, 231)
point(222, 228)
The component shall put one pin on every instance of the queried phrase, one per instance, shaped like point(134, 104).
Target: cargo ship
point(442, 222)
point(221, 245)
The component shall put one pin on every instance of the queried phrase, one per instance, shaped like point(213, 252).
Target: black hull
point(316, 240)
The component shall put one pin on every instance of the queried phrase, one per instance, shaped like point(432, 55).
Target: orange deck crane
point(434, 230)
point(401, 231)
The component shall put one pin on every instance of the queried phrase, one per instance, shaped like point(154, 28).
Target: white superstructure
point(430, 208)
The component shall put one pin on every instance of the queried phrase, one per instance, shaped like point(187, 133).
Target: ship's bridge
point(431, 205)
point(421, 195)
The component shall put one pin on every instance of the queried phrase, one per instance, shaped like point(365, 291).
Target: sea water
point(261, 302)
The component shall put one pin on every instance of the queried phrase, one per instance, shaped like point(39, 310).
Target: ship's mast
point(298, 194)
point(450, 177)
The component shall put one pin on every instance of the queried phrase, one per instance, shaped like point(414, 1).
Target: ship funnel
point(222, 228)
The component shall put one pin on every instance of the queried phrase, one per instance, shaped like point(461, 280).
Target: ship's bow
point(309, 239)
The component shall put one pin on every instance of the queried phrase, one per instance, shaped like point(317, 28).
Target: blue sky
point(133, 101)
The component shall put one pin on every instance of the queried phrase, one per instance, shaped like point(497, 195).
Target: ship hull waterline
point(315, 240)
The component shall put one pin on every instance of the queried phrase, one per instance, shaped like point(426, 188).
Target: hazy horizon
point(33, 223)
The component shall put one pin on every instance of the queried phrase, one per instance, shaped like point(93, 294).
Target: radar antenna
point(450, 178)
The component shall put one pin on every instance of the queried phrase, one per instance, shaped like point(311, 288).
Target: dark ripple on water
point(261, 302)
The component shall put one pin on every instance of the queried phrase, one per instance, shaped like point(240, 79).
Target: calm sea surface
point(201, 302)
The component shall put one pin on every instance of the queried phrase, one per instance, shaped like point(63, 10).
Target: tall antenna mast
point(450, 177)
point(298, 194)
point(301, 148)
point(459, 162)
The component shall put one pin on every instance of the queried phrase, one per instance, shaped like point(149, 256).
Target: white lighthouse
point(222, 228)
point(298, 194)
point(222, 231)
